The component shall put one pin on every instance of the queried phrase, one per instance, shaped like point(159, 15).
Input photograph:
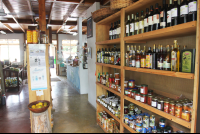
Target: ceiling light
point(2, 32)
point(74, 34)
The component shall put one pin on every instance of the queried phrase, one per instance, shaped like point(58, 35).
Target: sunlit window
point(69, 48)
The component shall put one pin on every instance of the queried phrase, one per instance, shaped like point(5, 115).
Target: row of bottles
point(160, 58)
point(115, 30)
point(169, 15)
point(110, 56)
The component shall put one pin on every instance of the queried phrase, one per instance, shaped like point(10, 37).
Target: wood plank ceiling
point(58, 12)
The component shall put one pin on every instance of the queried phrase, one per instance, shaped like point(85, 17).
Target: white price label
point(184, 9)
point(150, 20)
point(192, 6)
point(156, 19)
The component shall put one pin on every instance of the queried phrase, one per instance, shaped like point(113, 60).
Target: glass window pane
point(4, 52)
point(14, 53)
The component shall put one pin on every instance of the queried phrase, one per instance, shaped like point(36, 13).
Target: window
point(69, 48)
point(9, 50)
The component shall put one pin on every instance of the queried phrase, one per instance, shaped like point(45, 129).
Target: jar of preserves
point(150, 92)
point(144, 89)
point(145, 121)
point(178, 110)
point(139, 119)
point(117, 81)
point(143, 98)
point(126, 119)
point(126, 110)
point(186, 115)
point(125, 84)
point(154, 102)
point(137, 96)
point(133, 125)
point(190, 110)
point(126, 91)
point(129, 92)
point(149, 99)
point(139, 127)
point(131, 107)
point(185, 106)
point(119, 89)
point(130, 119)
point(160, 105)
point(172, 108)
point(117, 75)
point(133, 93)
point(131, 83)
point(152, 121)
point(166, 106)
point(162, 123)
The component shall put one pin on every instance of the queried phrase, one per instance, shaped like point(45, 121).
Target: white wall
point(91, 62)
point(19, 36)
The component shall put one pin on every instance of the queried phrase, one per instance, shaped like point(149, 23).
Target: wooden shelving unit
point(102, 127)
point(186, 33)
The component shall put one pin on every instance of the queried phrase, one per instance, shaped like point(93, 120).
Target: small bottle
point(143, 58)
point(149, 59)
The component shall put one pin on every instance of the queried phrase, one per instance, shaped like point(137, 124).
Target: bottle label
point(143, 62)
point(192, 6)
point(167, 65)
point(137, 98)
point(137, 26)
point(133, 63)
point(132, 27)
point(127, 29)
point(186, 62)
point(141, 99)
point(148, 61)
point(146, 22)
point(110, 33)
point(160, 64)
point(169, 17)
point(156, 19)
point(174, 12)
point(117, 31)
point(137, 64)
point(159, 106)
point(150, 20)
point(173, 60)
point(184, 9)
point(164, 64)
point(163, 24)
point(161, 14)
point(141, 25)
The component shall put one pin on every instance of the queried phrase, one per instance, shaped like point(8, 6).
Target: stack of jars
point(111, 103)
point(109, 81)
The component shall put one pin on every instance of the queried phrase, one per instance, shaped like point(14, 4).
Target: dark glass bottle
point(111, 32)
point(137, 24)
point(160, 63)
point(119, 30)
point(128, 27)
point(156, 18)
point(163, 15)
point(149, 59)
point(146, 20)
point(114, 30)
point(150, 19)
point(169, 14)
point(167, 59)
point(132, 25)
point(175, 13)
point(141, 23)
point(158, 57)
point(192, 16)
point(184, 11)
point(154, 57)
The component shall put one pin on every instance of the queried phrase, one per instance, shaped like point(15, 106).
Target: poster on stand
point(38, 73)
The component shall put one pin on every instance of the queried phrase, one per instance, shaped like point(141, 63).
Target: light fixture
point(2, 32)
point(74, 34)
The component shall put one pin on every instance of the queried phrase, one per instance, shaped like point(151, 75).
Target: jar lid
point(143, 94)
point(161, 100)
point(126, 88)
point(150, 96)
point(135, 88)
point(144, 85)
point(130, 118)
point(166, 101)
point(125, 81)
point(134, 91)
point(130, 89)
point(126, 115)
point(179, 105)
point(131, 80)
point(162, 119)
point(138, 124)
point(125, 106)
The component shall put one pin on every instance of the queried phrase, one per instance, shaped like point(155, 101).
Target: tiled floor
point(72, 114)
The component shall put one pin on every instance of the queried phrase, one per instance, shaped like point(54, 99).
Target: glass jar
point(143, 98)
point(130, 119)
point(162, 123)
point(145, 121)
point(126, 110)
point(133, 125)
point(131, 107)
point(149, 100)
point(178, 110)
point(185, 106)
point(133, 93)
point(117, 75)
point(166, 106)
point(125, 84)
point(154, 102)
point(137, 96)
point(131, 84)
point(129, 92)
point(139, 119)
point(186, 115)
point(144, 89)
point(152, 121)
point(126, 91)
point(117, 81)
point(172, 108)
point(150, 92)
point(160, 105)
point(159, 130)
point(126, 119)
point(139, 127)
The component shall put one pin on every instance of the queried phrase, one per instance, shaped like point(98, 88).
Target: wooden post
point(42, 15)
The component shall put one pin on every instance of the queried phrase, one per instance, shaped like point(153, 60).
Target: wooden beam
point(105, 2)
point(59, 29)
point(18, 24)
point(52, 4)
point(30, 8)
point(7, 26)
point(89, 2)
point(42, 15)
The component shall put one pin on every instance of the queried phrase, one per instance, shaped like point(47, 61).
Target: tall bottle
point(109, 56)
point(119, 29)
point(167, 60)
point(138, 57)
point(149, 59)
point(112, 57)
point(143, 58)
point(156, 18)
point(154, 57)
point(137, 24)
point(174, 57)
point(160, 62)
point(184, 10)
point(141, 23)
point(127, 56)
point(175, 13)
point(178, 59)
point(115, 31)
point(133, 56)
point(102, 55)
point(128, 27)
point(98, 55)
point(111, 32)
point(150, 19)
point(192, 16)
point(146, 21)
point(158, 56)
point(163, 15)
point(132, 25)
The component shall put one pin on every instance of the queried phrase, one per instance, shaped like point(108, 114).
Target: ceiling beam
point(7, 4)
point(7, 26)
point(59, 29)
point(30, 8)
point(105, 2)
point(89, 2)
point(50, 13)
point(42, 15)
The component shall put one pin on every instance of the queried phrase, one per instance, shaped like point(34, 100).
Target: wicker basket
point(118, 4)
point(102, 14)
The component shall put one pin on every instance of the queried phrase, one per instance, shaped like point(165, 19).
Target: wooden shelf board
point(110, 19)
point(109, 65)
point(107, 42)
point(128, 128)
point(109, 89)
point(174, 31)
point(107, 111)
point(161, 113)
point(102, 127)
point(162, 72)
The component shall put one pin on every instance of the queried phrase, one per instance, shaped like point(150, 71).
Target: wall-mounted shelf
point(109, 65)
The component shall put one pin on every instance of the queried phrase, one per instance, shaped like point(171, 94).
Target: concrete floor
point(72, 114)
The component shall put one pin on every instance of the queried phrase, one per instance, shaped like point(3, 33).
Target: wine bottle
point(115, 31)
point(137, 24)
point(167, 60)
point(146, 21)
point(143, 58)
point(163, 15)
point(149, 59)
point(174, 57)
point(154, 57)
point(169, 14)
point(133, 56)
point(156, 18)
point(132, 25)
point(127, 56)
point(158, 57)
point(137, 60)
point(102, 55)
point(141, 23)
point(184, 10)
point(160, 62)
point(192, 16)
point(175, 13)
point(150, 19)
point(178, 59)
point(119, 30)
point(127, 27)
point(111, 32)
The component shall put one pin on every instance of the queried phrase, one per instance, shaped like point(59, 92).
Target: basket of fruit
point(39, 106)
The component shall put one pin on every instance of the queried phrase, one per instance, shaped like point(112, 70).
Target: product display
point(115, 30)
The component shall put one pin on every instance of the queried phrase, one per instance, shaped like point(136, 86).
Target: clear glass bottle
point(141, 23)
point(174, 57)
point(137, 24)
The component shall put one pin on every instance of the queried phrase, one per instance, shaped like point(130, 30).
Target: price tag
point(39, 93)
